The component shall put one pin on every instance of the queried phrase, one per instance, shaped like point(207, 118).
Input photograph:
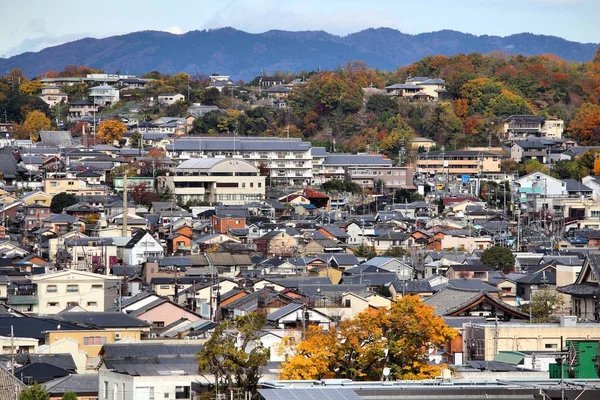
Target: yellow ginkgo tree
point(361, 348)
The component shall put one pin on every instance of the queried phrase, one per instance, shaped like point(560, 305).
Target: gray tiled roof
point(56, 138)
point(283, 311)
point(77, 383)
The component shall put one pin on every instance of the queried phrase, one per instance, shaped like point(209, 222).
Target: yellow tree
point(35, 122)
point(411, 328)
point(312, 357)
point(111, 131)
point(30, 88)
point(397, 338)
point(597, 165)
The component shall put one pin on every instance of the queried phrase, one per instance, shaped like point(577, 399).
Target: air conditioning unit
point(117, 336)
point(152, 335)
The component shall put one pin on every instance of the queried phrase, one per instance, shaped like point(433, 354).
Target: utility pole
point(124, 223)
point(12, 351)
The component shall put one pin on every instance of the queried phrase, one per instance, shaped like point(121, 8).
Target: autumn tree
point(397, 338)
point(31, 88)
point(35, 122)
point(111, 131)
point(585, 126)
point(234, 353)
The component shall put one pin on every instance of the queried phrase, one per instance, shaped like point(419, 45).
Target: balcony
point(22, 300)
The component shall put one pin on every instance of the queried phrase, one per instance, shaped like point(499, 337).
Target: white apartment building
point(289, 161)
point(55, 291)
point(230, 181)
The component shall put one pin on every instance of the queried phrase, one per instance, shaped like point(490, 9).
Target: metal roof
point(309, 394)
point(239, 144)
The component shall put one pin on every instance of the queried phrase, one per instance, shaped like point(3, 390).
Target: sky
point(31, 25)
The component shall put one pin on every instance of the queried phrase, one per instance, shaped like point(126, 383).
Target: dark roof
point(412, 286)
point(78, 384)
point(451, 300)
point(61, 360)
point(40, 372)
point(33, 327)
point(103, 319)
point(283, 311)
point(127, 350)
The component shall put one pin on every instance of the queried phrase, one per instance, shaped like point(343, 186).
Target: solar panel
point(309, 394)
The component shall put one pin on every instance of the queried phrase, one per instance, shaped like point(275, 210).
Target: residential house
point(52, 96)
point(277, 244)
point(141, 247)
point(297, 316)
point(52, 292)
point(170, 98)
point(104, 95)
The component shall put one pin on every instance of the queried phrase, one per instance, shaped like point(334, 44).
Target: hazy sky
point(30, 25)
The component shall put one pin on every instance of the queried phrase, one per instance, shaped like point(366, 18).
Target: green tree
point(34, 392)
point(365, 251)
point(533, 165)
point(69, 396)
point(499, 257)
point(396, 251)
point(61, 201)
point(234, 353)
point(339, 186)
point(565, 169)
point(381, 103)
point(544, 305)
point(135, 140)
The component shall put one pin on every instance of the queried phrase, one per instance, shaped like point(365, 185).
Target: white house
point(294, 314)
point(141, 246)
point(170, 98)
point(104, 95)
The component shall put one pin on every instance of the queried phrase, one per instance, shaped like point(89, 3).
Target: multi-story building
point(53, 292)
point(104, 95)
point(230, 181)
point(391, 178)
point(73, 186)
point(288, 161)
point(53, 96)
point(335, 166)
point(522, 126)
point(458, 163)
point(81, 109)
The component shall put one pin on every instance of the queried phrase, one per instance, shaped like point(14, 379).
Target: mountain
point(244, 55)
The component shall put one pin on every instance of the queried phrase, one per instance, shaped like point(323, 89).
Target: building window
point(182, 392)
point(105, 390)
point(164, 287)
point(551, 346)
point(158, 324)
point(53, 304)
point(94, 340)
point(92, 304)
point(72, 288)
point(96, 287)
point(51, 289)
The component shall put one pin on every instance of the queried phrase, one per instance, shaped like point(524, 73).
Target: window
point(72, 288)
point(94, 340)
point(158, 324)
point(51, 289)
point(53, 304)
point(166, 395)
point(53, 184)
point(550, 346)
point(92, 304)
point(71, 183)
point(164, 287)
point(96, 287)
point(182, 392)
point(259, 184)
point(105, 390)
